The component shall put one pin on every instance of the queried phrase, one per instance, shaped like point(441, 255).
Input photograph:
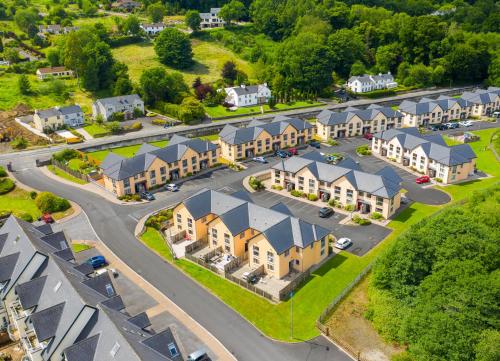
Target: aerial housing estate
point(426, 154)
point(259, 137)
point(271, 238)
point(485, 102)
point(151, 166)
point(367, 83)
point(59, 310)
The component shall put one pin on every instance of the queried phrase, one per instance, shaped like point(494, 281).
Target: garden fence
point(73, 172)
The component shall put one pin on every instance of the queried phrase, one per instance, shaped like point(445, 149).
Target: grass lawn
point(19, 201)
point(127, 152)
point(95, 129)
point(210, 138)
point(79, 247)
point(75, 163)
point(220, 111)
point(209, 59)
point(60, 173)
point(153, 239)
point(450, 141)
point(61, 215)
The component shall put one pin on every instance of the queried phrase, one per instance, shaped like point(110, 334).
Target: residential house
point(426, 154)
point(211, 19)
point(367, 83)
point(53, 72)
point(259, 137)
point(484, 102)
point(58, 309)
point(248, 95)
point(353, 121)
point(126, 5)
point(434, 111)
point(125, 104)
point(153, 29)
point(152, 166)
point(270, 238)
point(55, 118)
point(55, 29)
point(345, 182)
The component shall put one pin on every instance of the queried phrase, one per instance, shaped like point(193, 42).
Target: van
point(199, 355)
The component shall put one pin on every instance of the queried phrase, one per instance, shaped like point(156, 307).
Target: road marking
point(135, 219)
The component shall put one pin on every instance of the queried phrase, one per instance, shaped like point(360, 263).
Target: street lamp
point(291, 314)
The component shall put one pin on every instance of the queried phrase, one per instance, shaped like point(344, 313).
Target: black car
point(326, 212)
point(315, 144)
point(148, 196)
point(439, 127)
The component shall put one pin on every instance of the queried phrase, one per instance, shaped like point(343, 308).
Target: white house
point(367, 83)
point(153, 29)
point(56, 29)
point(248, 95)
point(53, 72)
point(125, 104)
point(211, 19)
point(56, 117)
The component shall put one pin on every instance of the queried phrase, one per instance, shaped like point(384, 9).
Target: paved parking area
point(364, 237)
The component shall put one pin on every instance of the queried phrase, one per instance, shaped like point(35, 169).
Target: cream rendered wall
point(236, 243)
point(394, 153)
point(181, 224)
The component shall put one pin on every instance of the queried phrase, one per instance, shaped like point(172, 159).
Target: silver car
point(343, 243)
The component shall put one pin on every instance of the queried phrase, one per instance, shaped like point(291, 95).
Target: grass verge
point(220, 111)
point(127, 152)
point(80, 247)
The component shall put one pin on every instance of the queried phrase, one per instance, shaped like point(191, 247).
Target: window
point(172, 349)
point(277, 173)
point(214, 153)
point(301, 180)
point(270, 266)
point(270, 257)
point(337, 190)
point(179, 218)
point(126, 183)
point(255, 250)
point(349, 193)
point(227, 239)
point(193, 160)
point(109, 290)
point(184, 163)
point(285, 137)
point(311, 183)
point(323, 242)
point(190, 223)
point(163, 171)
point(380, 201)
point(152, 174)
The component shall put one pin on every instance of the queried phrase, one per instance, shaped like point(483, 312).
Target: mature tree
point(204, 91)
point(156, 12)
point(1, 45)
point(345, 47)
point(26, 17)
point(132, 25)
point(122, 86)
point(53, 57)
point(191, 110)
point(469, 62)
point(193, 20)
point(233, 11)
point(24, 84)
point(419, 75)
point(11, 55)
point(312, 24)
point(157, 85)
point(229, 72)
point(358, 68)
point(174, 48)
point(494, 70)
point(388, 57)
point(88, 8)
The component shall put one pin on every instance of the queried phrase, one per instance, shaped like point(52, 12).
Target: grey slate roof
point(160, 342)
point(482, 96)
point(327, 117)
point(7, 265)
point(29, 292)
point(140, 320)
point(119, 100)
point(349, 163)
point(436, 150)
point(282, 208)
point(70, 109)
point(232, 135)
point(118, 168)
point(83, 350)
point(46, 321)
point(282, 230)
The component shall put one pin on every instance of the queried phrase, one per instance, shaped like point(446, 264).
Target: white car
point(466, 123)
point(171, 187)
point(343, 243)
point(260, 160)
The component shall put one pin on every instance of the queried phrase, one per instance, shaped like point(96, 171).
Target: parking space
point(364, 238)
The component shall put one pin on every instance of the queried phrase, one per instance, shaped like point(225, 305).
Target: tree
point(114, 127)
point(122, 86)
point(345, 47)
point(191, 110)
point(132, 25)
point(53, 57)
point(469, 62)
point(156, 12)
point(388, 57)
point(358, 68)
point(174, 48)
point(229, 72)
point(49, 203)
point(1, 45)
point(233, 11)
point(193, 20)
point(157, 85)
point(88, 8)
point(24, 84)
point(494, 70)
point(11, 55)
point(26, 17)
point(419, 75)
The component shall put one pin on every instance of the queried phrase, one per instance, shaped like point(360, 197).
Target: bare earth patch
point(349, 324)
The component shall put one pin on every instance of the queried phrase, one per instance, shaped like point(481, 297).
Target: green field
point(95, 129)
point(19, 201)
point(220, 111)
point(209, 58)
point(127, 152)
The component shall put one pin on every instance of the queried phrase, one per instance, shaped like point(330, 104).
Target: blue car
point(315, 144)
point(281, 154)
point(97, 261)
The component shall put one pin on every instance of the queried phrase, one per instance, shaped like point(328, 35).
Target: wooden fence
point(190, 248)
point(73, 172)
point(201, 263)
point(285, 292)
point(250, 287)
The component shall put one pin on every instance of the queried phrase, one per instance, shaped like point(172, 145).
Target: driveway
point(364, 238)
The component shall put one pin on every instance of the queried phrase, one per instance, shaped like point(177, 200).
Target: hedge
point(3, 173)
point(66, 155)
point(6, 185)
point(50, 203)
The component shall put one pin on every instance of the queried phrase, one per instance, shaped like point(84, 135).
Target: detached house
point(60, 310)
point(353, 121)
point(248, 95)
point(152, 166)
point(153, 29)
point(433, 111)
point(211, 19)
point(53, 72)
point(426, 154)
point(259, 137)
point(125, 104)
point(56, 29)
point(345, 182)
point(270, 238)
point(367, 83)
point(55, 118)
point(484, 102)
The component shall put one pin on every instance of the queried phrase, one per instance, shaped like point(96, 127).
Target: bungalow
point(259, 137)
point(55, 29)
point(367, 83)
point(211, 19)
point(353, 121)
point(248, 95)
point(426, 154)
point(152, 166)
point(125, 104)
point(484, 102)
point(126, 5)
point(271, 238)
point(53, 72)
point(345, 183)
point(55, 118)
point(153, 29)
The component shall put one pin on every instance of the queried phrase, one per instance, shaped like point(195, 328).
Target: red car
point(47, 218)
point(368, 136)
point(293, 151)
point(423, 179)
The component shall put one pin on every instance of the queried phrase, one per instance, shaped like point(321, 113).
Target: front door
point(300, 140)
point(366, 130)
point(425, 122)
point(249, 153)
point(140, 187)
point(174, 174)
point(341, 134)
point(276, 146)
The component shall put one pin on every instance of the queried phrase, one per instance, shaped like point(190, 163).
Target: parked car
point(423, 179)
point(343, 243)
point(466, 123)
point(439, 127)
point(97, 261)
point(326, 212)
point(47, 218)
point(260, 160)
point(368, 136)
point(281, 154)
point(199, 355)
point(293, 151)
point(334, 158)
point(171, 187)
point(148, 196)
point(315, 144)
point(453, 125)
